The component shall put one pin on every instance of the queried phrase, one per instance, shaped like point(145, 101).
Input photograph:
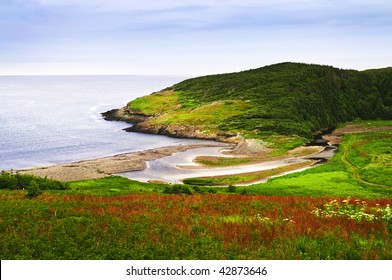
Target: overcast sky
point(190, 37)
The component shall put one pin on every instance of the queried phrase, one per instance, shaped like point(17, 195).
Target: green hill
point(289, 100)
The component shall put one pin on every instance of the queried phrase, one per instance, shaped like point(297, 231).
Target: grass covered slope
point(288, 100)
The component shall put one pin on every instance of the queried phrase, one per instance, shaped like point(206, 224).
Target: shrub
point(231, 189)
point(177, 189)
point(8, 181)
point(23, 181)
point(198, 190)
point(33, 189)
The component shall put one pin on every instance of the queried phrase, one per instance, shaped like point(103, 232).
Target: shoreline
point(162, 170)
point(137, 161)
point(106, 166)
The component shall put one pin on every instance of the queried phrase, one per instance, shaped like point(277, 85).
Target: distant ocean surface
point(52, 119)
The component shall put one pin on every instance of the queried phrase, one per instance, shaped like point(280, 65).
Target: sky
point(190, 37)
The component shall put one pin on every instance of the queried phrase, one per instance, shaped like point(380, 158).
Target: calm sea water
point(52, 119)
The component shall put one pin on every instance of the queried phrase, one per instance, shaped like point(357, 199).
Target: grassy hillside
point(289, 100)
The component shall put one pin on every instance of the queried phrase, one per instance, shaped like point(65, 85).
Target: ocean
point(46, 120)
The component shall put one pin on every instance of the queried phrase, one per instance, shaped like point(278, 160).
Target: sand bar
point(167, 164)
point(106, 166)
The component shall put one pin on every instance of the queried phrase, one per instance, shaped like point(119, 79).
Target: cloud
point(57, 30)
point(187, 15)
point(162, 4)
point(169, 4)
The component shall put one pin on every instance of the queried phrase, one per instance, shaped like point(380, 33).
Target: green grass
point(320, 184)
point(223, 161)
point(289, 99)
point(283, 104)
point(244, 177)
point(281, 144)
point(117, 186)
point(156, 103)
point(114, 186)
point(170, 110)
point(373, 159)
point(367, 174)
point(209, 115)
point(368, 124)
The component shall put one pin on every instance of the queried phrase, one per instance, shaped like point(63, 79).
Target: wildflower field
point(199, 226)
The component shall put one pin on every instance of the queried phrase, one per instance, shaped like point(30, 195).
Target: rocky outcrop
point(124, 114)
point(182, 131)
point(142, 123)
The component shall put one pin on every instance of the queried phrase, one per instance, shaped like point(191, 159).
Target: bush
point(8, 181)
point(231, 189)
point(177, 189)
point(198, 190)
point(33, 189)
point(23, 181)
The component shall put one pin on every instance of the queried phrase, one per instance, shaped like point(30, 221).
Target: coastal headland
point(264, 114)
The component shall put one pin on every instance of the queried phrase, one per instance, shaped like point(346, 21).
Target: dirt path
point(355, 170)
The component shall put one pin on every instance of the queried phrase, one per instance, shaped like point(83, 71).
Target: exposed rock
point(250, 147)
point(142, 123)
point(124, 114)
point(182, 131)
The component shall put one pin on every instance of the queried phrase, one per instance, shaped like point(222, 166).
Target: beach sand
point(136, 161)
point(106, 166)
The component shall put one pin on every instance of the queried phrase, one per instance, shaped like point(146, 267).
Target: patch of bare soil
point(335, 138)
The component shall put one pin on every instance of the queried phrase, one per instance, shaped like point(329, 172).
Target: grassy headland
point(283, 104)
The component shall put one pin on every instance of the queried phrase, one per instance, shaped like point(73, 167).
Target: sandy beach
point(172, 164)
point(180, 158)
point(106, 166)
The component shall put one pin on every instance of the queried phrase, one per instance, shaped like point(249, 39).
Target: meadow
point(209, 226)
